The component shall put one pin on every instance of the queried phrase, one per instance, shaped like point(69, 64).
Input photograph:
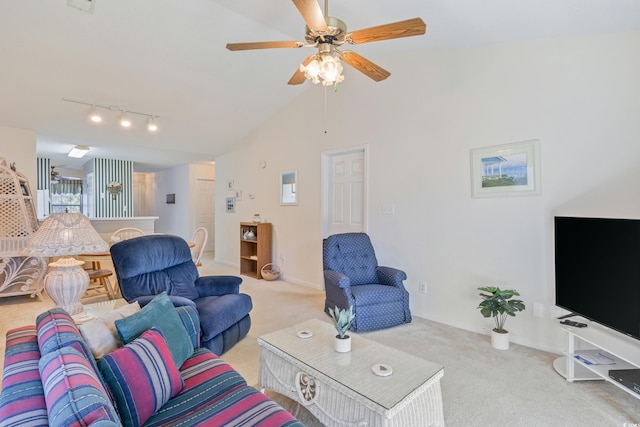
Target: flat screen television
point(597, 270)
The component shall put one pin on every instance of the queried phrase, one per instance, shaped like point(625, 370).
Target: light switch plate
point(388, 209)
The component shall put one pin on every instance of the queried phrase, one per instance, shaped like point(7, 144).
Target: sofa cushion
point(242, 406)
point(22, 399)
point(214, 394)
point(161, 314)
point(142, 377)
point(74, 394)
point(101, 335)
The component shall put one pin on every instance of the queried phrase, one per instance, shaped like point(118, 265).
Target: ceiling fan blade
point(408, 28)
point(298, 77)
point(312, 14)
point(365, 66)
point(262, 45)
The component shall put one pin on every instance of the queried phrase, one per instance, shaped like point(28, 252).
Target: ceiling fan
point(327, 34)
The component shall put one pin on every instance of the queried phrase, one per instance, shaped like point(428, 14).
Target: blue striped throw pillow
point(142, 377)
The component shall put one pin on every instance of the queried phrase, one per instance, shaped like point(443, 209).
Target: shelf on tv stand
point(625, 351)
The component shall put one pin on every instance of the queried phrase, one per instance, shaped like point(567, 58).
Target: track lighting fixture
point(124, 117)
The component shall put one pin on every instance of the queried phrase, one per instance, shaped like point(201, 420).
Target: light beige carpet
point(481, 386)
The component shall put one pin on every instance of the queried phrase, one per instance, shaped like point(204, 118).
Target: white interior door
point(345, 192)
point(139, 206)
point(205, 209)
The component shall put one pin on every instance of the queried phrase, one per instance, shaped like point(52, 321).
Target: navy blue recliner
point(352, 277)
point(145, 266)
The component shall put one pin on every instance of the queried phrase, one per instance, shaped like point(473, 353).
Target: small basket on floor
point(270, 272)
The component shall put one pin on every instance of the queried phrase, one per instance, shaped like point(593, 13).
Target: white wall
point(19, 146)
point(178, 218)
point(578, 96)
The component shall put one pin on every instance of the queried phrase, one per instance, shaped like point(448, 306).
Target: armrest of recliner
point(176, 300)
point(391, 276)
point(338, 288)
point(208, 286)
point(336, 279)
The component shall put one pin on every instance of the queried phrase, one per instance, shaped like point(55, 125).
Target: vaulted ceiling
point(167, 58)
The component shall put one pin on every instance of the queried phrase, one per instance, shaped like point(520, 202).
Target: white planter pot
point(342, 345)
point(500, 341)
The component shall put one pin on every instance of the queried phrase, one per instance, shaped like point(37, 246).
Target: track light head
point(94, 116)
point(125, 122)
point(151, 124)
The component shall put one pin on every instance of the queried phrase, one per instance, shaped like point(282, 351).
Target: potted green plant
point(498, 303)
point(342, 319)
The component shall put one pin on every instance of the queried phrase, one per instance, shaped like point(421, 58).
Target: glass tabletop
point(354, 369)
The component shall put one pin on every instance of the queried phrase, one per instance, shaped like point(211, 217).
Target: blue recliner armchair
point(145, 266)
point(353, 278)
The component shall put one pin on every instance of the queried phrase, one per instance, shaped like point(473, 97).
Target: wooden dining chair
point(199, 240)
point(125, 233)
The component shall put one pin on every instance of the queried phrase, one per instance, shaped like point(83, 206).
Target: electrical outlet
point(282, 259)
point(422, 287)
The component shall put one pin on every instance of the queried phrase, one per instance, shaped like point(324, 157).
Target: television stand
point(615, 351)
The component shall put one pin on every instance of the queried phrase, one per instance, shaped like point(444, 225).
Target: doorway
point(205, 210)
point(344, 192)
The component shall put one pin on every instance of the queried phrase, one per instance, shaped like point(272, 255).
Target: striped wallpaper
point(106, 171)
point(43, 173)
point(96, 176)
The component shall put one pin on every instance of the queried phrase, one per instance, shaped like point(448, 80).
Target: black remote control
point(573, 323)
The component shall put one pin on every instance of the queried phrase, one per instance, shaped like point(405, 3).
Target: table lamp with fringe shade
point(63, 235)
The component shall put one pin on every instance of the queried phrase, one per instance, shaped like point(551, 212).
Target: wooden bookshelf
point(255, 252)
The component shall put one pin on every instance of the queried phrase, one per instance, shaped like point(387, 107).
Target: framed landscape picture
point(506, 170)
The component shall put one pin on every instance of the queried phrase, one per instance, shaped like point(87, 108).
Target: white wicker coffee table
point(340, 389)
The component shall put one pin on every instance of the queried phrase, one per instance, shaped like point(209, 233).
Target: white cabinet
point(596, 341)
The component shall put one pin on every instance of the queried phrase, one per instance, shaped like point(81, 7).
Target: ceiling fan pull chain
point(325, 109)
point(325, 104)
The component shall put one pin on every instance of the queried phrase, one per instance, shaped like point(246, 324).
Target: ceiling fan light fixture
point(311, 71)
point(325, 67)
point(331, 70)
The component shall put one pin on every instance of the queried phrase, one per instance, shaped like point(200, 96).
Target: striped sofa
point(51, 378)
